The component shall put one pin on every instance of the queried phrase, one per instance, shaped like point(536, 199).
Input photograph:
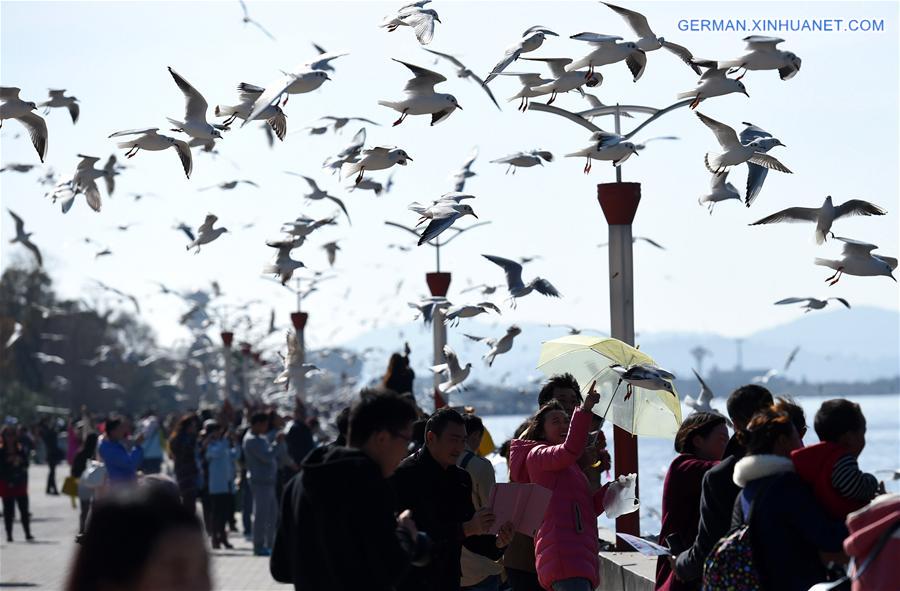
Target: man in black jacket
point(718, 489)
point(338, 530)
point(439, 494)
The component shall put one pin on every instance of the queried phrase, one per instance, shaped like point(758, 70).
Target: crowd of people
point(390, 497)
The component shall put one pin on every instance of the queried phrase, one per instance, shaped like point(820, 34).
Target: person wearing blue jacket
point(121, 457)
point(221, 455)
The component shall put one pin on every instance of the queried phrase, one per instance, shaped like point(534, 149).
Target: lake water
point(882, 450)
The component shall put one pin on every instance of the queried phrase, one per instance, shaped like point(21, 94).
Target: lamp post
point(619, 202)
point(438, 284)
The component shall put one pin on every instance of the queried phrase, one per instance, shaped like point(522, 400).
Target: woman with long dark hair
point(700, 443)
point(399, 375)
point(547, 453)
point(14, 482)
point(85, 454)
point(183, 450)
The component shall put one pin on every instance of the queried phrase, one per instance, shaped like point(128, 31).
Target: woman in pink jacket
point(547, 453)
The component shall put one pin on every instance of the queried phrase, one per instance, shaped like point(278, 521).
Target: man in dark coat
point(338, 530)
point(718, 489)
point(439, 494)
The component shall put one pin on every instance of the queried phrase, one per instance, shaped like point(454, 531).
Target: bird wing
point(423, 80)
point(249, 92)
point(713, 72)
point(273, 93)
point(422, 23)
point(636, 20)
point(261, 28)
point(683, 53)
point(438, 225)
point(452, 360)
point(74, 111)
point(184, 154)
point(725, 135)
point(650, 242)
point(484, 87)
point(37, 130)
point(557, 65)
point(856, 247)
point(596, 38)
point(278, 125)
point(491, 306)
point(769, 162)
point(20, 224)
point(857, 207)
point(637, 63)
point(791, 214)
point(312, 183)
point(512, 269)
point(547, 156)
point(891, 262)
point(756, 176)
point(843, 301)
point(91, 193)
point(752, 132)
point(33, 248)
point(340, 204)
point(195, 104)
point(323, 60)
point(544, 287)
point(207, 224)
point(512, 54)
point(704, 389)
point(147, 130)
point(792, 301)
point(539, 29)
point(451, 58)
point(187, 231)
point(9, 92)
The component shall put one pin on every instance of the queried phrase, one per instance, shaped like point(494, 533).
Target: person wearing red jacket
point(830, 466)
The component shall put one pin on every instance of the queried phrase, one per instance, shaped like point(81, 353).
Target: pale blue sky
point(838, 117)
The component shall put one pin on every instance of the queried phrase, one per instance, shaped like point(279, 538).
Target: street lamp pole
point(227, 339)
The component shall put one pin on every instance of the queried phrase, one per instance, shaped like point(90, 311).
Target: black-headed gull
point(331, 249)
point(648, 40)
point(229, 185)
point(454, 313)
point(823, 216)
point(455, 373)
point(272, 114)
point(713, 82)
point(13, 107)
point(517, 288)
point(194, 124)
point(719, 190)
point(414, 15)
point(563, 81)
point(24, 238)
point(703, 401)
point(247, 20)
point(497, 346)
point(58, 100)
point(762, 141)
point(609, 50)
point(284, 266)
point(858, 260)
point(463, 72)
point(339, 122)
point(442, 215)
point(734, 152)
point(763, 54)
point(317, 194)
point(531, 39)
point(810, 304)
point(206, 233)
point(302, 79)
point(524, 160)
point(377, 158)
point(634, 240)
point(464, 172)
point(152, 141)
point(421, 99)
point(645, 376)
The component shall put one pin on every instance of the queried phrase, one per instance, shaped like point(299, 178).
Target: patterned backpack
point(729, 566)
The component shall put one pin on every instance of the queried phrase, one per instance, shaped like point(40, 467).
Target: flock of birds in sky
point(201, 128)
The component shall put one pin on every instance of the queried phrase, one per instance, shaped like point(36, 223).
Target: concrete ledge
point(626, 571)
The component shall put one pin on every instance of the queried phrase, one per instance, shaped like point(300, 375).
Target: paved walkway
point(44, 563)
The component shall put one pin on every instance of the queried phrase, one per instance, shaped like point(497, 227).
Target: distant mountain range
point(858, 345)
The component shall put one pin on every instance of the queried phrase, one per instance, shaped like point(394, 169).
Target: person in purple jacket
point(120, 455)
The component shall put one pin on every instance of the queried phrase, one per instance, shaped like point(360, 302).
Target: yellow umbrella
point(652, 413)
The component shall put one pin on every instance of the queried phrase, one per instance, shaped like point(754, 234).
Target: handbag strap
point(877, 548)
